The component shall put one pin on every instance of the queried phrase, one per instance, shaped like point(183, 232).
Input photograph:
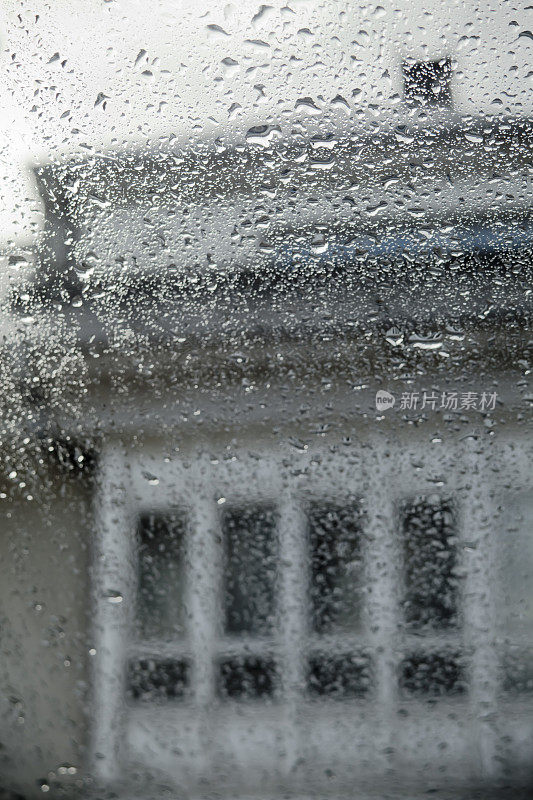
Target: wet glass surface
point(265, 440)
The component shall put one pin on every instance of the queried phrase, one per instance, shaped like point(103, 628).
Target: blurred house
point(267, 500)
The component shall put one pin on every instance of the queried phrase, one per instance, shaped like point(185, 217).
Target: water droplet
point(341, 104)
point(474, 138)
point(394, 336)
point(140, 55)
point(101, 99)
point(263, 135)
point(430, 342)
point(373, 211)
point(216, 31)
point(308, 105)
point(322, 163)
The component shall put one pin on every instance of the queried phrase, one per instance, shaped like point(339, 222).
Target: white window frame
point(274, 737)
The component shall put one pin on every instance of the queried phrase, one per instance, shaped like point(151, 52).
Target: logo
point(384, 400)
point(438, 400)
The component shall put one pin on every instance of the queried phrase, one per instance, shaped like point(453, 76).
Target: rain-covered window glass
point(432, 674)
point(249, 570)
point(158, 678)
point(266, 455)
point(336, 595)
point(517, 596)
point(335, 541)
point(430, 560)
point(246, 677)
point(431, 596)
point(161, 576)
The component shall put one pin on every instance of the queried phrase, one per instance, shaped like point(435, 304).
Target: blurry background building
point(224, 230)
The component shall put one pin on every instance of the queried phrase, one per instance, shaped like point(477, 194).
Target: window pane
point(518, 670)
point(158, 678)
point(160, 601)
point(250, 552)
point(517, 569)
point(344, 675)
point(336, 567)
point(516, 608)
point(432, 674)
point(428, 529)
point(247, 677)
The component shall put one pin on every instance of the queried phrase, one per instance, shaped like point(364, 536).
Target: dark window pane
point(158, 679)
point(431, 585)
point(336, 568)
point(345, 675)
point(250, 550)
point(160, 605)
point(247, 677)
point(516, 568)
point(518, 671)
point(432, 674)
point(428, 82)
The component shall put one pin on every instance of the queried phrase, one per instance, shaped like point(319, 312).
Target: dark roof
point(474, 269)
